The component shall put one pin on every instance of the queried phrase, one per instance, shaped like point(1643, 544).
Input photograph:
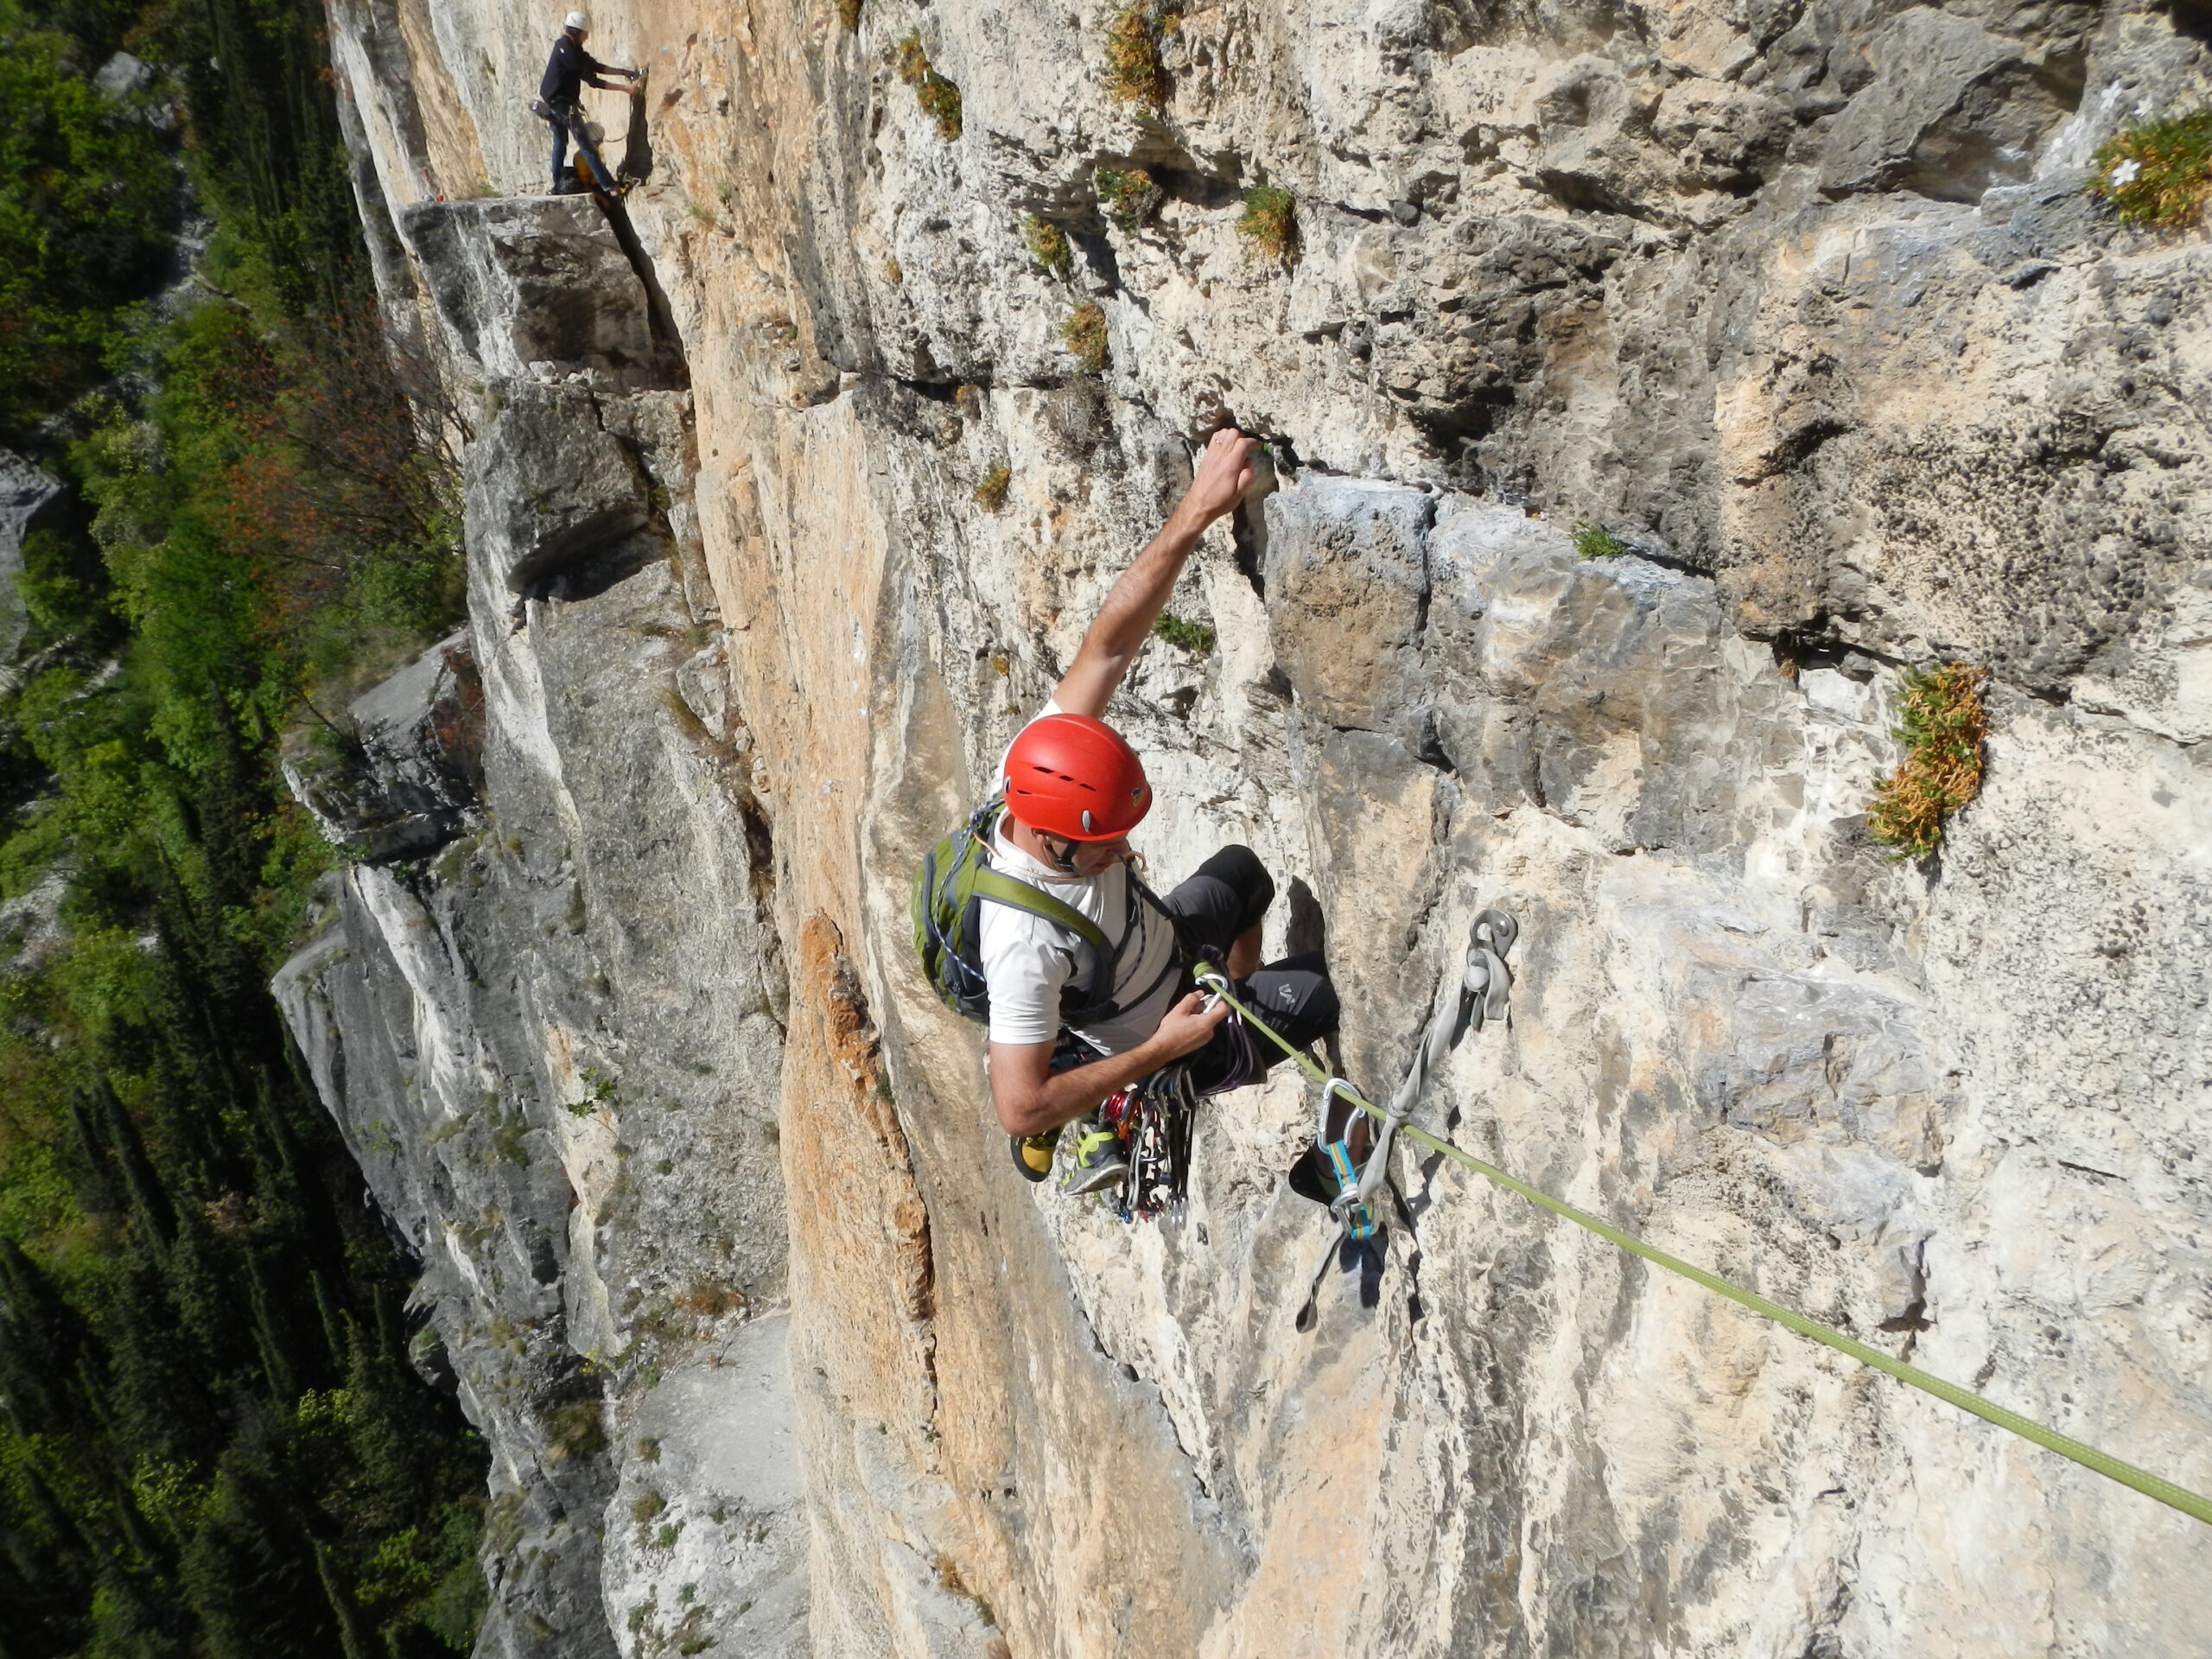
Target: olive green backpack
point(951, 889)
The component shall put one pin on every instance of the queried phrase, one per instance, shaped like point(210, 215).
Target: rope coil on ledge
point(1443, 1029)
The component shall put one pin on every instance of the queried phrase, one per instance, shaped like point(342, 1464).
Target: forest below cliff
point(212, 1439)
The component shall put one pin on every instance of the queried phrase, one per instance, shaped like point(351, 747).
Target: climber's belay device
point(1440, 1036)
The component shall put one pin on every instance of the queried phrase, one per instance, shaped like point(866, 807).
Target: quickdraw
point(1479, 992)
point(1492, 995)
point(1155, 1120)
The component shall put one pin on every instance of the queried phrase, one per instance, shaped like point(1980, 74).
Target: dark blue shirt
point(567, 70)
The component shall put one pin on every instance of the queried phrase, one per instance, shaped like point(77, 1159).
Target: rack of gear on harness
point(1479, 991)
point(1155, 1120)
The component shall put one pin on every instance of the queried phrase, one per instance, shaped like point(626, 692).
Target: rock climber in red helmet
point(1074, 790)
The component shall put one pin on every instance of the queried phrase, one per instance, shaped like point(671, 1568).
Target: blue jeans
point(560, 147)
point(586, 155)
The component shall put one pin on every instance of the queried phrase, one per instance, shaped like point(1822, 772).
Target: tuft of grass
point(2160, 173)
point(1941, 724)
point(849, 14)
point(893, 271)
point(1127, 194)
point(578, 1429)
point(1596, 541)
point(940, 101)
point(1132, 71)
point(1196, 638)
point(991, 494)
point(503, 1524)
point(1270, 221)
point(938, 97)
point(710, 1299)
point(1047, 241)
point(647, 1506)
point(1083, 333)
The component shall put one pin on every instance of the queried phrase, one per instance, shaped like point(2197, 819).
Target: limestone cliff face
point(1803, 302)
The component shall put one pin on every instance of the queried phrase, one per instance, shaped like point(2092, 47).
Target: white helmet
point(577, 20)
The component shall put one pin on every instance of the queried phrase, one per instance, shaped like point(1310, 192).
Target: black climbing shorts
point(1230, 892)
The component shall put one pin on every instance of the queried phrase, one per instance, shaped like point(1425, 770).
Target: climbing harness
point(1155, 1120)
point(1491, 1002)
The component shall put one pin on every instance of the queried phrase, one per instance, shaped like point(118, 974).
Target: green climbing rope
point(2089, 1457)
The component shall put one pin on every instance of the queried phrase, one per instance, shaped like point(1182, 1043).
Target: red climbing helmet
point(1073, 776)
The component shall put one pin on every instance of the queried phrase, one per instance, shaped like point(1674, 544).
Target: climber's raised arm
point(1136, 601)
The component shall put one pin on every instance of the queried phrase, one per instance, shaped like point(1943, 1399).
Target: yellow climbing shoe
point(1032, 1154)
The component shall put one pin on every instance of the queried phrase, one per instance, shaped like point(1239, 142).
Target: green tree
point(210, 1441)
point(87, 202)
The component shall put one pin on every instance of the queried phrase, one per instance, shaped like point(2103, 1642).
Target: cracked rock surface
point(1805, 305)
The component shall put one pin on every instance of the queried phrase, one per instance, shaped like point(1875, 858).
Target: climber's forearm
point(1031, 1099)
point(1124, 621)
point(1135, 602)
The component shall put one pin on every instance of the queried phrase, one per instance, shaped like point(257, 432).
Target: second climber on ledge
point(560, 94)
point(1071, 1024)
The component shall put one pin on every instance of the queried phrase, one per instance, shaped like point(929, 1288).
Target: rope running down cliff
point(2089, 1457)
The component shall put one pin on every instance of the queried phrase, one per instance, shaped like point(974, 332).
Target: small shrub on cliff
point(1194, 637)
point(940, 101)
point(1270, 221)
point(938, 97)
point(1132, 71)
point(1083, 333)
point(1941, 725)
point(1047, 241)
point(991, 494)
point(577, 1429)
point(1596, 541)
point(1128, 194)
point(849, 14)
point(2160, 173)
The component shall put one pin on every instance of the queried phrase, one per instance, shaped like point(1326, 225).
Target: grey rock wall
point(26, 492)
point(554, 1061)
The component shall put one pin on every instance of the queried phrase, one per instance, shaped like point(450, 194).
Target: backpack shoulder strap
point(1000, 888)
